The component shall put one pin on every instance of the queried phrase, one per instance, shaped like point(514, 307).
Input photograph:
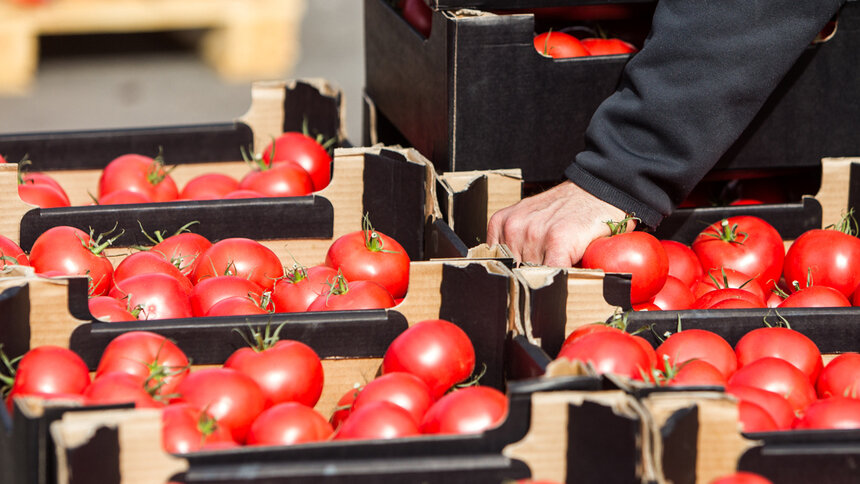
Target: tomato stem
point(727, 233)
point(847, 224)
point(620, 226)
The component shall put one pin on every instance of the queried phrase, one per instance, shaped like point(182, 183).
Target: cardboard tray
point(467, 200)
point(472, 294)
point(485, 97)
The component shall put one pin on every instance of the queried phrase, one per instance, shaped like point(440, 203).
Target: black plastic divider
point(602, 446)
point(441, 242)
point(680, 436)
point(258, 218)
point(304, 104)
point(789, 219)
point(15, 327)
point(470, 212)
point(824, 462)
point(210, 341)
point(89, 150)
point(391, 197)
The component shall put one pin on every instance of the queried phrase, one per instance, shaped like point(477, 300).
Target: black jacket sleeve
point(703, 73)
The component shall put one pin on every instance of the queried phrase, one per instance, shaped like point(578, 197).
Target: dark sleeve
point(703, 73)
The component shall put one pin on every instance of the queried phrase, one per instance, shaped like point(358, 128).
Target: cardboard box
point(472, 294)
point(475, 94)
point(467, 200)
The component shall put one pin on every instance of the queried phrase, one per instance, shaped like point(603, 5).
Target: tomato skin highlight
point(559, 45)
point(291, 296)
point(241, 257)
point(698, 344)
point(469, 410)
point(50, 370)
point(159, 296)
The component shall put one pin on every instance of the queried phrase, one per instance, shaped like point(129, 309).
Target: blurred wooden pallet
point(244, 40)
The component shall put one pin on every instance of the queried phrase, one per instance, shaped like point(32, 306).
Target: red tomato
point(417, 14)
point(288, 423)
point(124, 197)
point(306, 152)
point(37, 178)
point(778, 376)
point(344, 406)
point(185, 429)
point(836, 267)
point(138, 173)
point(674, 295)
point(377, 420)
point(243, 194)
point(469, 410)
point(598, 46)
point(741, 478)
point(559, 45)
point(721, 278)
point(159, 296)
point(609, 352)
point(207, 292)
point(368, 255)
point(840, 378)
point(109, 310)
point(352, 295)
point(235, 306)
point(400, 388)
point(648, 349)
point(709, 299)
point(300, 287)
point(755, 418)
point(683, 262)
point(696, 373)
point(435, 350)
point(735, 304)
point(287, 371)
point(698, 344)
point(232, 398)
point(787, 344)
point(636, 253)
point(831, 413)
point(43, 196)
point(816, 297)
point(119, 387)
point(776, 405)
point(148, 262)
point(281, 180)
point(182, 250)
point(71, 251)
point(588, 329)
point(50, 370)
point(209, 186)
point(147, 356)
point(11, 253)
point(240, 257)
point(744, 243)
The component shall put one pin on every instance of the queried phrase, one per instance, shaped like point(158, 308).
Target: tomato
point(559, 45)
point(741, 478)
point(285, 371)
point(840, 378)
point(711, 298)
point(588, 329)
point(119, 387)
point(368, 255)
point(73, 252)
point(109, 310)
point(344, 406)
point(831, 413)
point(836, 267)
point(232, 398)
point(778, 342)
point(435, 350)
point(744, 243)
point(400, 388)
point(148, 262)
point(609, 352)
point(209, 186)
point(683, 262)
point(288, 423)
point(469, 410)
point(698, 344)
point(43, 196)
point(207, 292)
point(377, 420)
point(185, 428)
point(50, 370)
point(138, 173)
point(637, 253)
point(695, 373)
point(124, 197)
point(352, 295)
point(735, 304)
point(159, 296)
point(754, 418)
point(147, 356)
point(721, 278)
point(235, 306)
point(674, 295)
point(300, 287)
point(182, 250)
point(30, 179)
point(240, 257)
point(648, 349)
point(11, 253)
point(816, 297)
point(243, 194)
point(417, 14)
point(304, 151)
point(778, 376)
point(280, 180)
point(599, 46)
point(776, 405)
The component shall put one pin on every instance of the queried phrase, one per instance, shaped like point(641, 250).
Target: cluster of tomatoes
point(739, 262)
point(264, 395)
point(560, 45)
point(294, 164)
point(186, 275)
point(776, 373)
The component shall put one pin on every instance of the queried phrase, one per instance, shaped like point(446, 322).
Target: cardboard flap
point(593, 296)
point(472, 197)
point(543, 303)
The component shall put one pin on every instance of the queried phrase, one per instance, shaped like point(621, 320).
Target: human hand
point(553, 228)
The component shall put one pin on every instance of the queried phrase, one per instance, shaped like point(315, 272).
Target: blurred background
point(159, 78)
